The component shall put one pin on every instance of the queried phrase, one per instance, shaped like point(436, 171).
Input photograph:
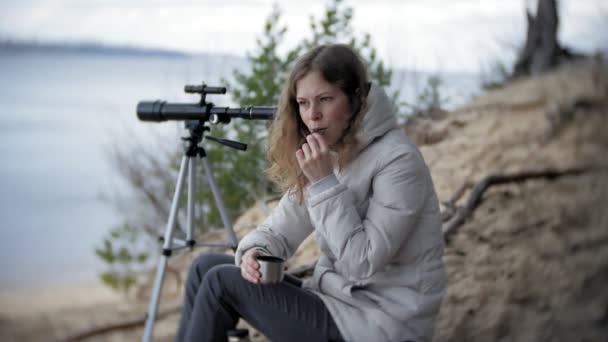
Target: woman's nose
point(315, 112)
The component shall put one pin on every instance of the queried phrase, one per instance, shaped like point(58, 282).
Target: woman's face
point(324, 108)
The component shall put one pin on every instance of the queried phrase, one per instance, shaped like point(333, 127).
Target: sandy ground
point(18, 303)
point(57, 313)
point(530, 264)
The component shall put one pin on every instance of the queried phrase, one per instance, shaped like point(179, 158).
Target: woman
point(354, 179)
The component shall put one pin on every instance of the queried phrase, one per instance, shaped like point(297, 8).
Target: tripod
point(195, 116)
point(196, 129)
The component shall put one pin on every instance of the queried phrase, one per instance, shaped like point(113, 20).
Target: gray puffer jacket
point(378, 227)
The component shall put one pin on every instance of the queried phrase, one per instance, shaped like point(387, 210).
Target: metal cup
point(271, 268)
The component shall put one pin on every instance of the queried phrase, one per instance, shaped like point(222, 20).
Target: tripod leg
point(167, 245)
point(220, 204)
point(190, 212)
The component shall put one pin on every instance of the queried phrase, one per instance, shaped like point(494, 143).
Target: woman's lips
point(319, 130)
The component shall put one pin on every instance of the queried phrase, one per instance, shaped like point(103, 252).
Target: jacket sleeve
point(363, 245)
point(281, 232)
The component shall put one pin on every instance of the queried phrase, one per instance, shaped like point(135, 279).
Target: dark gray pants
point(217, 296)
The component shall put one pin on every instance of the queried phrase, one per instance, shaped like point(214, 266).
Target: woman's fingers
point(251, 276)
point(313, 145)
point(307, 151)
point(321, 142)
point(314, 158)
point(250, 267)
point(252, 271)
point(300, 156)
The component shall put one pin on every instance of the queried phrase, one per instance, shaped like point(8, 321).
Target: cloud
point(96, 4)
point(433, 34)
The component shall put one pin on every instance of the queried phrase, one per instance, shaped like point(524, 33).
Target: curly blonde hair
point(339, 65)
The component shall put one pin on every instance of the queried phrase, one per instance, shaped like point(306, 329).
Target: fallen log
point(461, 213)
point(120, 326)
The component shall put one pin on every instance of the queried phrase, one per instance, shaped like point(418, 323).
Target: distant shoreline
point(10, 46)
point(16, 47)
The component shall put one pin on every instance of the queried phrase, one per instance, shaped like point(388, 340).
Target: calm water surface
point(60, 115)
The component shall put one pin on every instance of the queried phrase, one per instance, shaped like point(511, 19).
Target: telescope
point(158, 111)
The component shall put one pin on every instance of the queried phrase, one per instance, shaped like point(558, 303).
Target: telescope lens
point(150, 110)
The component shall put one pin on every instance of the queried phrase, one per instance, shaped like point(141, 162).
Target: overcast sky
point(436, 35)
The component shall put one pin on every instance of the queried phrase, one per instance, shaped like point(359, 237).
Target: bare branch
point(479, 188)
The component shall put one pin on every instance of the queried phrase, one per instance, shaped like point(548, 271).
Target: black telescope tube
point(249, 113)
point(164, 111)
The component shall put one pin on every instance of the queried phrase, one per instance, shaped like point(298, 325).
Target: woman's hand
point(250, 267)
point(314, 158)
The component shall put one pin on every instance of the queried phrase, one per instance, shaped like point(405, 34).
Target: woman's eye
point(326, 98)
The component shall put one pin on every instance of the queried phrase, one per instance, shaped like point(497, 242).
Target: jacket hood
point(379, 117)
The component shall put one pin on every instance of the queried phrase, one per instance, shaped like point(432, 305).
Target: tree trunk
point(542, 50)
